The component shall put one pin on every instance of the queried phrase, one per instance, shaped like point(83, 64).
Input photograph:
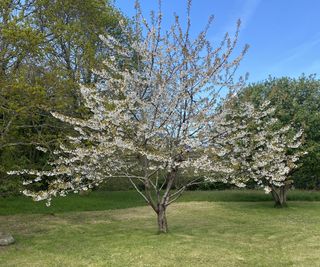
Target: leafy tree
point(151, 118)
point(46, 48)
point(19, 43)
point(297, 102)
point(257, 147)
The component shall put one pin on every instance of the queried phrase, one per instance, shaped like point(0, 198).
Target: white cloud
point(244, 13)
point(248, 9)
point(243, 10)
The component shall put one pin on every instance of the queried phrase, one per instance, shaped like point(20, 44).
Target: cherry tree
point(256, 148)
point(152, 114)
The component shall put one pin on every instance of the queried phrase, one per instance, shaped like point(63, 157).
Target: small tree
point(297, 101)
point(257, 148)
point(152, 115)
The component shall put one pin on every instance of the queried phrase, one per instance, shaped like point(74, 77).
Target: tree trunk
point(283, 196)
point(162, 219)
point(280, 197)
point(163, 203)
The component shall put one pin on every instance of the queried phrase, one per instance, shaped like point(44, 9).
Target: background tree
point(257, 147)
point(297, 102)
point(46, 48)
point(151, 117)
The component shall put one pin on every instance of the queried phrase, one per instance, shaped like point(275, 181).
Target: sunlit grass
point(201, 234)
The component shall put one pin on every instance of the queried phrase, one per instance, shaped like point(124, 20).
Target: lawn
point(101, 200)
point(206, 229)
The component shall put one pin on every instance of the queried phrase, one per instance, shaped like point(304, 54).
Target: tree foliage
point(152, 114)
point(46, 48)
point(297, 102)
point(257, 147)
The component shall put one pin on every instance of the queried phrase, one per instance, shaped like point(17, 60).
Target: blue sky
point(284, 35)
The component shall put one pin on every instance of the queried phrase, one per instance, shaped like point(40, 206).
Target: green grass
point(97, 200)
point(207, 228)
point(201, 234)
point(101, 200)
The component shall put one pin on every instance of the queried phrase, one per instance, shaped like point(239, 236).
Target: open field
point(204, 231)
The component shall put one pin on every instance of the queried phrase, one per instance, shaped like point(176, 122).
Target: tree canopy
point(151, 114)
point(46, 48)
point(297, 102)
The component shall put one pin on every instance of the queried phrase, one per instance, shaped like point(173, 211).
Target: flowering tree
point(151, 115)
point(257, 149)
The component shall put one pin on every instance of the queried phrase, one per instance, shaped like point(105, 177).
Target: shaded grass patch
point(110, 200)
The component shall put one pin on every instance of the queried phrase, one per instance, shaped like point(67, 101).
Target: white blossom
point(256, 149)
point(152, 114)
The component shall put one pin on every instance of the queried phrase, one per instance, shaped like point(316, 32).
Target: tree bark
point(162, 219)
point(164, 202)
point(280, 196)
